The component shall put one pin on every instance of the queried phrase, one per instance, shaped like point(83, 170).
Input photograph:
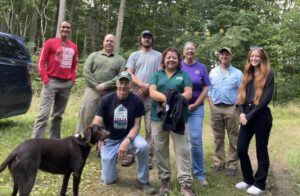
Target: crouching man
point(120, 113)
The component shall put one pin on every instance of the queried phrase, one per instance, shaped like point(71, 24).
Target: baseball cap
point(146, 32)
point(124, 74)
point(226, 49)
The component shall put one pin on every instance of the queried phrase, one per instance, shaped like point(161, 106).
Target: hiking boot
point(165, 186)
point(186, 190)
point(146, 187)
point(218, 168)
point(128, 160)
point(231, 172)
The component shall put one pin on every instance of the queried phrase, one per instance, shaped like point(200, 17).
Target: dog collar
point(77, 135)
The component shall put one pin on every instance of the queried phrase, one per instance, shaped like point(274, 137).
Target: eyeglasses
point(256, 47)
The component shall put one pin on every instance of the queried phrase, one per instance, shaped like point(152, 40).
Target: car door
point(15, 86)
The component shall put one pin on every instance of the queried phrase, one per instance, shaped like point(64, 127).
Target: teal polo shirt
point(178, 81)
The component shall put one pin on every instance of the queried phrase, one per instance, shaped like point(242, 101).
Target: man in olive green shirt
point(100, 71)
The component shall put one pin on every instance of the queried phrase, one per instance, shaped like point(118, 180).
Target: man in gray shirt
point(142, 64)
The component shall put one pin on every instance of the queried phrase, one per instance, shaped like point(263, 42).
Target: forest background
point(211, 24)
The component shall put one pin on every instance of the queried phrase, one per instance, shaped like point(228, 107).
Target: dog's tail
point(8, 160)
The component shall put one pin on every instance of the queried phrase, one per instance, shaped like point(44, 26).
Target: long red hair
point(260, 78)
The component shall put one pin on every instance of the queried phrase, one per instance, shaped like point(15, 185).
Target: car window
point(10, 48)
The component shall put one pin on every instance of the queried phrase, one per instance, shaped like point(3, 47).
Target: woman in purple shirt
point(199, 75)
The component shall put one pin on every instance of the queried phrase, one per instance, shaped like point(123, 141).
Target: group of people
point(168, 93)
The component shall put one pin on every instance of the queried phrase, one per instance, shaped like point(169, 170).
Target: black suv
point(15, 76)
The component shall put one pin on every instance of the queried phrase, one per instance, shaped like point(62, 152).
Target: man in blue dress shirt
point(222, 95)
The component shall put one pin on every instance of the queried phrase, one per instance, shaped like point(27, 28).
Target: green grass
point(284, 147)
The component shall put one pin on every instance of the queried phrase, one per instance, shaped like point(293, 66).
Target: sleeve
point(266, 96)
point(74, 64)
point(42, 67)
point(111, 84)
point(240, 79)
point(154, 78)
point(205, 79)
point(241, 109)
point(210, 86)
point(131, 61)
point(87, 70)
point(140, 109)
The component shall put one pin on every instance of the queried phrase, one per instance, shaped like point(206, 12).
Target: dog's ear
point(88, 133)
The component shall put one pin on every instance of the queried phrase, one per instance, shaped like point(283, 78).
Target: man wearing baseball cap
point(222, 95)
point(142, 64)
point(120, 113)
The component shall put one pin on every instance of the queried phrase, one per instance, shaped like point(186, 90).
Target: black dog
point(51, 155)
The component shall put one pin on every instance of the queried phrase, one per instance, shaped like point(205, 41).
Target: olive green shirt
point(102, 68)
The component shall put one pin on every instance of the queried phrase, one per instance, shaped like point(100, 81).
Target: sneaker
point(146, 187)
point(231, 172)
point(186, 190)
point(203, 182)
point(242, 185)
point(218, 168)
point(253, 190)
point(165, 186)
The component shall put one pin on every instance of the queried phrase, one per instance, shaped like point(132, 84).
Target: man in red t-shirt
point(57, 67)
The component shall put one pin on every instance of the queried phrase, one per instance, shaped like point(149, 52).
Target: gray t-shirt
point(144, 64)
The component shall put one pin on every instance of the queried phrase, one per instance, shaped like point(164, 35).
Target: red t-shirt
point(58, 60)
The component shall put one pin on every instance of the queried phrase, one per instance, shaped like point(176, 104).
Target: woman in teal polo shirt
point(170, 77)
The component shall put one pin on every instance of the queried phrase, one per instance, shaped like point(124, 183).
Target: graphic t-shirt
point(58, 60)
point(119, 115)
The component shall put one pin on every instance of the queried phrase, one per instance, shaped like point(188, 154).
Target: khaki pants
point(182, 152)
point(147, 121)
point(225, 118)
point(88, 108)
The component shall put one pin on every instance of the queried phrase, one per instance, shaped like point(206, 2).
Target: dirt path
point(280, 180)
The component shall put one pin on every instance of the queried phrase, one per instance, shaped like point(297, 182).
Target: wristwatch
point(130, 139)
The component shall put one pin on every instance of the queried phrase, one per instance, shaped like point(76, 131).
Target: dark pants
point(260, 126)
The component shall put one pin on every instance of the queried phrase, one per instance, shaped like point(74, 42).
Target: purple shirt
point(199, 75)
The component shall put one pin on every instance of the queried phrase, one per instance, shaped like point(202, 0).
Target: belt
point(224, 105)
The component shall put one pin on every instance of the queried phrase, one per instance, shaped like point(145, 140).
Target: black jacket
point(172, 117)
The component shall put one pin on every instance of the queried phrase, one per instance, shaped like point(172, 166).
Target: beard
point(147, 45)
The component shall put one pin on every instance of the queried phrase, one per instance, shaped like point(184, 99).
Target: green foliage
point(211, 24)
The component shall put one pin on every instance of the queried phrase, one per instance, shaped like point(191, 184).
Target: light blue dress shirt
point(224, 86)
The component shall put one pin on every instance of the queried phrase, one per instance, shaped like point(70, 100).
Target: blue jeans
point(195, 121)
point(109, 156)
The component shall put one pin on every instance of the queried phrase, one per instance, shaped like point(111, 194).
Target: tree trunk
point(94, 27)
point(33, 30)
point(120, 24)
point(61, 15)
point(73, 13)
